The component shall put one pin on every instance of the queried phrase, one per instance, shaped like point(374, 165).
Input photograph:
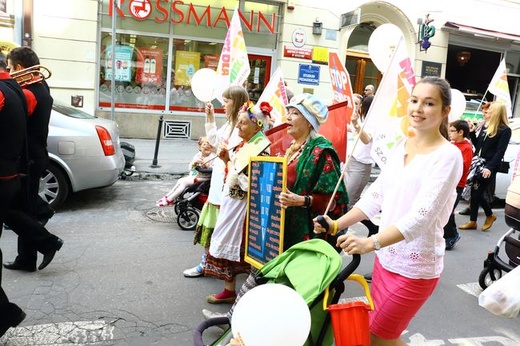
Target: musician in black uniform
point(32, 236)
point(12, 141)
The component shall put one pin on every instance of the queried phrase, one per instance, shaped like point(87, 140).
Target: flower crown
point(264, 107)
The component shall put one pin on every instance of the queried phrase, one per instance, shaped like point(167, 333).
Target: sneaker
point(450, 242)
point(163, 202)
point(368, 277)
point(194, 272)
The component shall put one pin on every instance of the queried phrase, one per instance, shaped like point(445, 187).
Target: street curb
point(152, 176)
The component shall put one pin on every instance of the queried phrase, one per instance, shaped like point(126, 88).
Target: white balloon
point(458, 105)
point(271, 314)
point(382, 43)
point(203, 84)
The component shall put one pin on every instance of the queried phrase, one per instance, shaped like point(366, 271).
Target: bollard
point(157, 141)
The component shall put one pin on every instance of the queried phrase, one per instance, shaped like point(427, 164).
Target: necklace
point(295, 151)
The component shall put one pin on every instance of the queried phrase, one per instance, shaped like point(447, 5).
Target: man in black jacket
point(12, 141)
point(32, 236)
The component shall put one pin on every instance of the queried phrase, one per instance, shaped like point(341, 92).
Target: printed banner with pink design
point(386, 118)
point(233, 66)
point(276, 95)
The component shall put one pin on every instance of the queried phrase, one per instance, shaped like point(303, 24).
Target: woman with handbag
point(490, 145)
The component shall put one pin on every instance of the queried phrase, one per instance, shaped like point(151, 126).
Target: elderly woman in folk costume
point(313, 171)
point(226, 253)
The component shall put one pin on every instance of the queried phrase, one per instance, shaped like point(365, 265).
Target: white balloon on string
point(271, 314)
point(381, 45)
point(458, 105)
point(203, 84)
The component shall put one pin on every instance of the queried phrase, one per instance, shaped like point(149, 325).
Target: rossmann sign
point(180, 12)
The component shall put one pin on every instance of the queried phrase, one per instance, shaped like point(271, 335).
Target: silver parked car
point(84, 152)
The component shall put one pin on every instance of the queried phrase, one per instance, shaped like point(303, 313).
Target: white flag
point(386, 118)
point(500, 88)
point(233, 65)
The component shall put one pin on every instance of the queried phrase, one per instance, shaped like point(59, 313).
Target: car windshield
point(70, 111)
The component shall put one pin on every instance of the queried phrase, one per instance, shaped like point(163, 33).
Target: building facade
point(142, 53)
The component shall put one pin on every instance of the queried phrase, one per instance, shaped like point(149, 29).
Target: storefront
point(160, 45)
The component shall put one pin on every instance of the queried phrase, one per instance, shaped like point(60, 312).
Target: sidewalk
point(171, 160)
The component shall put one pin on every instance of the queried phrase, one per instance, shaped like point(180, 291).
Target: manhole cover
point(162, 214)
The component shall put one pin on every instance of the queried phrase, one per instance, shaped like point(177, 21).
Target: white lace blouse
point(418, 199)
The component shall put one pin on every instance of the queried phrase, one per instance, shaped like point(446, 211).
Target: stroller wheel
point(488, 276)
point(188, 219)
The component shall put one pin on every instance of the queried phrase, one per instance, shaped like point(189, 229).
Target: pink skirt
point(397, 300)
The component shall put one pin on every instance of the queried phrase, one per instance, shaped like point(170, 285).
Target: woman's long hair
point(239, 96)
point(498, 118)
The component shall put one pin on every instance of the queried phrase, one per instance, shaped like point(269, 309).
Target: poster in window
point(123, 60)
point(265, 215)
point(186, 64)
point(149, 65)
point(211, 61)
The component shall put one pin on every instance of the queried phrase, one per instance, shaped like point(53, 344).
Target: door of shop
point(259, 76)
point(362, 71)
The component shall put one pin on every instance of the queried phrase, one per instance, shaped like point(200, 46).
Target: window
point(141, 71)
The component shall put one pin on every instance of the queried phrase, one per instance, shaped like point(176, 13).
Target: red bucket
point(350, 323)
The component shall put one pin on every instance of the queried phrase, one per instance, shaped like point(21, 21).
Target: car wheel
point(485, 278)
point(54, 186)
point(188, 219)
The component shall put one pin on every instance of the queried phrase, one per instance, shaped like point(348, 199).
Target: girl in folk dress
point(226, 253)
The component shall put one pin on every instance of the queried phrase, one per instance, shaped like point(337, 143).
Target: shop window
point(161, 44)
point(143, 78)
point(140, 71)
point(188, 57)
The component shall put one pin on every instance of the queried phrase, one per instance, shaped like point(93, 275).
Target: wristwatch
point(377, 245)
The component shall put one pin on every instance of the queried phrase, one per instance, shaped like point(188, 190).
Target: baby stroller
point(494, 265)
point(189, 204)
point(313, 269)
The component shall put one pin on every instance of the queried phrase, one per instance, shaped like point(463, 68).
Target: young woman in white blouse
point(415, 192)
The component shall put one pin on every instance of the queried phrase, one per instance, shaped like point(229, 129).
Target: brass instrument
point(30, 75)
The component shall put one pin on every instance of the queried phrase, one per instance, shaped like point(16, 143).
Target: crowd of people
point(24, 126)
point(416, 211)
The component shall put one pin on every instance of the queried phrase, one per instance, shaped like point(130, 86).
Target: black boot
point(10, 316)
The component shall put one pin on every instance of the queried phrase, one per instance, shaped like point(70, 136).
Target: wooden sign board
point(265, 216)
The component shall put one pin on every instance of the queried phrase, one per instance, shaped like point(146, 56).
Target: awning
point(479, 32)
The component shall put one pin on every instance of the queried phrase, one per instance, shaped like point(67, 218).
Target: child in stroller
point(200, 171)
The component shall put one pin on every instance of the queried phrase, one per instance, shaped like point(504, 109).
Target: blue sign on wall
point(309, 74)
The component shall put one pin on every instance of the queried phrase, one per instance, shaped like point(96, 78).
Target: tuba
point(30, 75)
